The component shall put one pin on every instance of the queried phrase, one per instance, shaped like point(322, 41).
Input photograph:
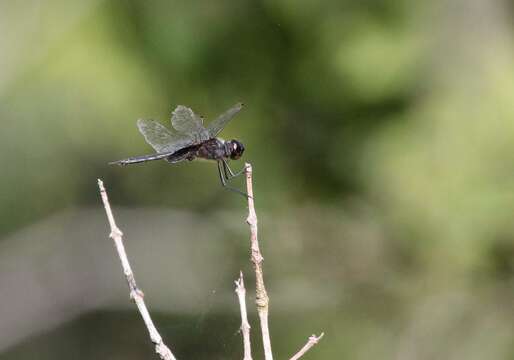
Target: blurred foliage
point(392, 119)
point(315, 83)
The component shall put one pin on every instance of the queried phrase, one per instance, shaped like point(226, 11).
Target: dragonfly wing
point(161, 138)
point(218, 124)
point(185, 121)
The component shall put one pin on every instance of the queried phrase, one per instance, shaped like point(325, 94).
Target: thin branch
point(135, 294)
point(313, 340)
point(245, 326)
point(261, 298)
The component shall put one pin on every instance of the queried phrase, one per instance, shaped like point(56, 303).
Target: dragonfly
point(189, 139)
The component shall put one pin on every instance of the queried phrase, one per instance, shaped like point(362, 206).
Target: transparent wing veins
point(215, 127)
point(184, 120)
point(161, 138)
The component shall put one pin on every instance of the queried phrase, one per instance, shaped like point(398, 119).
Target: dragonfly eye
point(236, 149)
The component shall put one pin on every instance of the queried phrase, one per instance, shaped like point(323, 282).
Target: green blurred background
point(382, 139)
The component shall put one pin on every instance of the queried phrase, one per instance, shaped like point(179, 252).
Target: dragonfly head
point(235, 149)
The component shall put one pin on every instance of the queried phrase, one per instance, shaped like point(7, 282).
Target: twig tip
point(316, 339)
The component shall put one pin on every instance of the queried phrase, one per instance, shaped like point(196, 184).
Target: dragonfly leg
point(229, 174)
point(224, 178)
point(226, 171)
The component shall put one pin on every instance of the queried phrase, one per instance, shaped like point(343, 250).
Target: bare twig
point(261, 296)
point(245, 326)
point(313, 340)
point(135, 294)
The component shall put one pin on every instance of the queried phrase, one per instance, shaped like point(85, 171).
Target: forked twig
point(245, 326)
point(135, 294)
point(261, 298)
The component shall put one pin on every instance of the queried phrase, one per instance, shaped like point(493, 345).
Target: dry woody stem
point(261, 296)
point(245, 326)
point(313, 340)
point(135, 294)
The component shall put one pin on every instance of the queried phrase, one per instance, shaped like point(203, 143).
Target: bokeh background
point(382, 139)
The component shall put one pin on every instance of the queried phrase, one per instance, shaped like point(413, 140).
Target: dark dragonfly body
point(191, 140)
point(213, 149)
